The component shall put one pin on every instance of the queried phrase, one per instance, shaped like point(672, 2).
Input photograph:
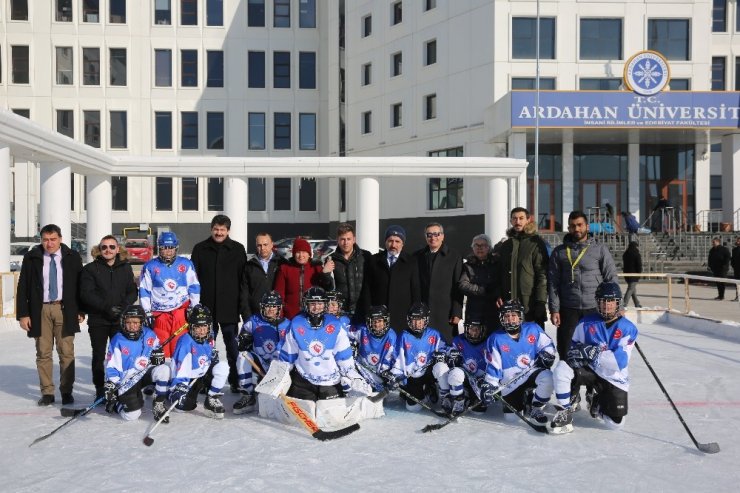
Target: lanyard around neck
point(574, 264)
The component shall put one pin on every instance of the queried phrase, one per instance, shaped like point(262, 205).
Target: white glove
point(277, 380)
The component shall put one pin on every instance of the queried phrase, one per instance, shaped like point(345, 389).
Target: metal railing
point(709, 219)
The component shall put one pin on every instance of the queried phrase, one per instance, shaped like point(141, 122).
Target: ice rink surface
point(99, 452)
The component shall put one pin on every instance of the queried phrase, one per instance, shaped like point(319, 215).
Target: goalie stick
point(301, 415)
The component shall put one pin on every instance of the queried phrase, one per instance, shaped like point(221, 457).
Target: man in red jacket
point(297, 275)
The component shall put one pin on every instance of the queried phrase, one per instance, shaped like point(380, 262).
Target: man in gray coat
point(576, 269)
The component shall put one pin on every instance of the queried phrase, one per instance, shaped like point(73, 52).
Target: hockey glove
point(214, 357)
point(580, 355)
point(440, 357)
point(488, 392)
point(544, 360)
point(179, 394)
point(391, 381)
point(246, 341)
point(114, 312)
point(454, 358)
point(111, 396)
point(157, 356)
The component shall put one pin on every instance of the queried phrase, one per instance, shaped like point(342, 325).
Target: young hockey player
point(458, 370)
point(261, 337)
point(376, 349)
point(598, 358)
point(134, 357)
point(416, 349)
point(334, 306)
point(523, 347)
point(195, 366)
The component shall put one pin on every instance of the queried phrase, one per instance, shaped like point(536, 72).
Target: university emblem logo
point(646, 73)
point(169, 285)
point(316, 348)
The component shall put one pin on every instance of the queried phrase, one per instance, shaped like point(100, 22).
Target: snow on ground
point(241, 453)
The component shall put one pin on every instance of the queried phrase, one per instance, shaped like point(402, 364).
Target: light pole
point(536, 184)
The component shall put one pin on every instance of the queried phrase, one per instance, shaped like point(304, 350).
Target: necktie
point(52, 278)
point(391, 260)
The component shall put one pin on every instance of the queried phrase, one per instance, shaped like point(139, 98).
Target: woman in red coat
point(297, 275)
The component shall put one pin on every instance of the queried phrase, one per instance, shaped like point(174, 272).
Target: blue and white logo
point(646, 73)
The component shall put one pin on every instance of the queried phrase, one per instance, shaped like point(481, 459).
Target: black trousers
point(300, 388)
point(569, 318)
point(133, 399)
point(99, 337)
point(229, 331)
point(612, 400)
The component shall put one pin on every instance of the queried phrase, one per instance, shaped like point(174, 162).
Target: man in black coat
point(632, 264)
point(736, 263)
point(440, 268)
point(219, 263)
point(392, 279)
point(719, 264)
point(259, 275)
point(350, 264)
point(48, 309)
point(107, 287)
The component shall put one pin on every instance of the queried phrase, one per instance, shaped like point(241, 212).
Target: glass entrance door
point(545, 217)
point(596, 194)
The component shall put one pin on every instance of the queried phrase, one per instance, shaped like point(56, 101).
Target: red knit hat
point(301, 245)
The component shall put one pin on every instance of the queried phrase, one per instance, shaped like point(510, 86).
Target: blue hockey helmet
point(511, 326)
point(378, 313)
point(167, 244)
point(607, 292)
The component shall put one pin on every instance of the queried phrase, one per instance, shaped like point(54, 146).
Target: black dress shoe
point(67, 399)
point(46, 400)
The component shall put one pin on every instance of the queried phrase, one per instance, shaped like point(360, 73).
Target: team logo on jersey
point(505, 348)
point(156, 271)
point(432, 340)
point(301, 330)
point(316, 348)
point(373, 358)
point(181, 268)
point(268, 346)
point(202, 361)
point(523, 360)
point(330, 329)
point(531, 338)
point(407, 345)
point(150, 341)
point(617, 334)
point(169, 284)
point(193, 350)
point(365, 340)
point(387, 345)
point(421, 358)
point(646, 73)
point(124, 350)
point(141, 362)
point(471, 365)
point(592, 329)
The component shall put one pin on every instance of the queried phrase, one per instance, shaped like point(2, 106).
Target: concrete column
point(55, 196)
point(368, 213)
point(517, 187)
point(99, 210)
point(702, 180)
point(25, 198)
point(730, 177)
point(236, 206)
point(633, 181)
point(568, 183)
point(5, 191)
point(496, 208)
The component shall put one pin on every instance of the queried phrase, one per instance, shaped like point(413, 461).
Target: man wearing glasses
point(106, 288)
point(477, 283)
point(440, 268)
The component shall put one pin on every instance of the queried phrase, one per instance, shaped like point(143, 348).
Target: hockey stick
point(707, 448)
point(148, 440)
point(81, 413)
point(301, 415)
point(383, 393)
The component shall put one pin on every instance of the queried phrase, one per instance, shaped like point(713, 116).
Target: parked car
point(17, 251)
point(324, 249)
point(140, 250)
point(284, 246)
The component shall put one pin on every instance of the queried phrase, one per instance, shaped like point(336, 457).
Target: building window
point(367, 122)
point(307, 195)
point(215, 194)
point(601, 39)
point(367, 26)
point(718, 73)
point(162, 12)
point(63, 11)
point(446, 193)
point(396, 115)
point(91, 66)
point(256, 66)
point(189, 194)
point(396, 13)
point(257, 194)
point(680, 85)
point(189, 131)
point(163, 129)
point(20, 63)
point(163, 193)
point(189, 68)
point(597, 84)
point(256, 13)
point(307, 131)
point(189, 12)
point(670, 37)
point(282, 131)
point(307, 13)
point(91, 128)
point(117, 11)
point(118, 66)
point(64, 65)
point(256, 131)
point(430, 52)
point(66, 123)
point(118, 130)
point(719, 16)
point(281, 194)
point(119, 191)
point(215, 133)
point(214, 12)
point(524, 38)
point(546, 83)
point(163, 68)
point(215, 60)
point(306, 70)
point(367, 74)
point(429, 5)
point(396, 64)
point(342, 195)
point(715, 192)
point(281, 70)
point(25, 113)
point(430, 106)
point(18, 10)
point(281, 13)
point(91, 11)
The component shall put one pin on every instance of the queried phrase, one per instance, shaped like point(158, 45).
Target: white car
point(17, 251)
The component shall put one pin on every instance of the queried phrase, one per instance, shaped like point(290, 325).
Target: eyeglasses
point(434, 234)
point(108, 247)
point(480, 245)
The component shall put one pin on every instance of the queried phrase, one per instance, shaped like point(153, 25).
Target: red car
point(139, 250)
